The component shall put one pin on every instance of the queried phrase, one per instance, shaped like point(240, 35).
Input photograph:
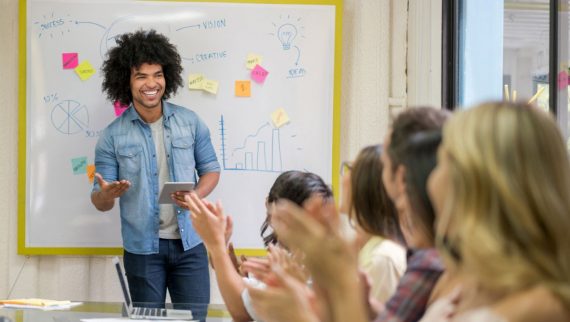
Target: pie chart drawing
point(70, 117)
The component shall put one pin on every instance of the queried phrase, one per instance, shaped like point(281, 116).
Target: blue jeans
point(184, 273)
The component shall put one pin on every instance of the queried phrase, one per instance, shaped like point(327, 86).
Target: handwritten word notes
point(252, 60)
point(279, 117)
point(69, 60)
point(196, 81)
point(243, 88)
point(259, 74)
point(79, 165)
point(85, 70)
point(119, 108)
point(211, 86)
point(90, 172)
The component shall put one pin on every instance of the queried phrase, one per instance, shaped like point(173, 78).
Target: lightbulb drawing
point(286, 33)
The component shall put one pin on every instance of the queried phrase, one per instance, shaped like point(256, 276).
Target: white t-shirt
point(168, 221)
point(384, 261)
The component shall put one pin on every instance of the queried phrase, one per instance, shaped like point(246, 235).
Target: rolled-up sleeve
point(204, 154)
point(105, 160)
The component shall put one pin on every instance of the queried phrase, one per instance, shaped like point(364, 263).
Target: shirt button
point(182, 230)
point(156, 174)
point(178, 211)
point(154, 156)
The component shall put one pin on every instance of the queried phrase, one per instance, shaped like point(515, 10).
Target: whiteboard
point(64, 115)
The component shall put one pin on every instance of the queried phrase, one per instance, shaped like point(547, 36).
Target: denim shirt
point(126, 150)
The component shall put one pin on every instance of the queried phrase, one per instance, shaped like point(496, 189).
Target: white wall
point(383, 40)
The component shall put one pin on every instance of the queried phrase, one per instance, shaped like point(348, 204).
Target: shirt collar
point(131, 113)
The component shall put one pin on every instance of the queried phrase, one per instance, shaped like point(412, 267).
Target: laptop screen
point(122, 280)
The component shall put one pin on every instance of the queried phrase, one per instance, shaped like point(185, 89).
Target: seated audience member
point(501, 189)
point(372, 214)
point(328, 256)
point(210, 223)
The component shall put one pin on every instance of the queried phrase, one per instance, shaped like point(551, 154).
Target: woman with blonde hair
point(502, 193)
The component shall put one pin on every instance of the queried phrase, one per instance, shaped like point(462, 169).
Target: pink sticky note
point(562, 80)
point(258, 74)
point(120, 108)
point(69, 60)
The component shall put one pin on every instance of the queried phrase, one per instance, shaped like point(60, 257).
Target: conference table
point(93, 312)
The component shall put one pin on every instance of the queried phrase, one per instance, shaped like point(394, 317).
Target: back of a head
point(296, 186)
point(370, 205)
point(409, 122)
point(419, 157)
point(508, 208)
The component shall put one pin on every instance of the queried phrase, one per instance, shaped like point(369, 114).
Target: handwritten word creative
point(279, 117)
point(85, 70)
point(243, 88)
point(69, 60)
point(259, 74)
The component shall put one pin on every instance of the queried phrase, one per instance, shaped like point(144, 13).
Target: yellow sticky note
point(90, 172)
point(196, 81)
point(279, 117)
point(210, 86)
point(252, 60)
point(85, 70)
point(243, 88)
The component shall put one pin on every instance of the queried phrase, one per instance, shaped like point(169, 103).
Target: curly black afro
point(133, 50)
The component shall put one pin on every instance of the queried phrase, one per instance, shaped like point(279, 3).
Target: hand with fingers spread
point(292, 300)
point(104, 199)
point(112, 190)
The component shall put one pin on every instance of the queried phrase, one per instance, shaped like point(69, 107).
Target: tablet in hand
point(171, 187)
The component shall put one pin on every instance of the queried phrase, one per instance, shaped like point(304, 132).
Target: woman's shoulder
point(536, 304)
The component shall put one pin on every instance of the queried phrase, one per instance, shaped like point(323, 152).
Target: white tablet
point(171, 187)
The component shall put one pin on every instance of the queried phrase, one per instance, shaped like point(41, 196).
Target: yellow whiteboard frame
point(22, 129)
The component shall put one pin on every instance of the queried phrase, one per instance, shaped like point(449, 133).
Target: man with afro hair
point(152, 142)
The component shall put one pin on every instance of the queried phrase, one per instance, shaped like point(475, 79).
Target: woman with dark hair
point(210, 222)
point(374, 218)
point(332, 263)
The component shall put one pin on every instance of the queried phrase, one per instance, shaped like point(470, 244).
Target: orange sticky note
point(90, 172)
point(243, 88)
point(279, 117)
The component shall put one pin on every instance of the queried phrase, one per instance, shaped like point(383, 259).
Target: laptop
point(145, 312)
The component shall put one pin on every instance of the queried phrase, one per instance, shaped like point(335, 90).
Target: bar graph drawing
point(259, 151)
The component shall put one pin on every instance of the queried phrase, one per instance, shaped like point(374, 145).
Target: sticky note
point(210, 86)
point(79, 165)
point(196, 81)
point(90, 172)
point(119, 108)
point(69, 60)
point(259, 74)
point(562, 80)
point(252, 60)
point(279, 117)
point(85, 70)
point(243, 88)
